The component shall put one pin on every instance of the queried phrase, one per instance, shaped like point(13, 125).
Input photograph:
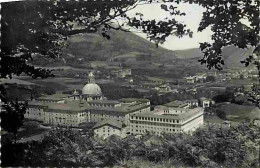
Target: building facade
point(185, 120)
point(106, 128)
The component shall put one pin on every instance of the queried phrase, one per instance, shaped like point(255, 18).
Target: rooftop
point(110, 122)
point(104, 101)
point(172, 108)
point(79, 106)
point(53, 97)
point(72, 106)
point(134, 99)
point(176, 103)
point(186, 115)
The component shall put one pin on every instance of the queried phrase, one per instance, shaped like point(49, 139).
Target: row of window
point(107, 131)
point(154, 131)
point(102, 115)
point(103, 105)
point(155, 119)
point(152, 124)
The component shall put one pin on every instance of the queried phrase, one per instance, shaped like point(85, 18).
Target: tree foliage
point(12, 116)
point(207, 147)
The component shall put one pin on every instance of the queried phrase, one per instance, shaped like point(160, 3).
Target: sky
point(192, 20)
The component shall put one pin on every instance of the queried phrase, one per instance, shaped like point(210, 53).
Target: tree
point(210, 79)
point(241, 76)
point(12, 117)
point(31, 28)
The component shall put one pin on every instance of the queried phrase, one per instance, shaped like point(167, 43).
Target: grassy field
point(239, 113)
point(208, 119)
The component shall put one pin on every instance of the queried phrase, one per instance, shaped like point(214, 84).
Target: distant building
point(226, 124)
point(257, 122)
point(177, 104)
point(206, 102)
point(106, 128)
point(247, 88)
point(190, 80)
point(122, 72)
point(161, 87)
point(174, 121)
point(192, 103)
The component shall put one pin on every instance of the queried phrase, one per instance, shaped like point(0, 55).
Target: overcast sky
point(192, 19)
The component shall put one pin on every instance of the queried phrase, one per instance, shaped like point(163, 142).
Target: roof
point(186, 115)
point(54, 97)
point(76, 106)
point(110, 122)
point(72, 106)
point(172, 108)
point(104, 101)
point(91, 89)
point(134, 99)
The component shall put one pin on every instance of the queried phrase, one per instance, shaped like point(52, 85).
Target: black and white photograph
point(130, 83)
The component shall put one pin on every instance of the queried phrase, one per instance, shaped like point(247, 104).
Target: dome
point(91, 89)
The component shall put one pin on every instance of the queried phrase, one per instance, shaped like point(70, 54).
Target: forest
point(212, 147)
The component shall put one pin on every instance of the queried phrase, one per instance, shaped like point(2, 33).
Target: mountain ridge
point(230, 54)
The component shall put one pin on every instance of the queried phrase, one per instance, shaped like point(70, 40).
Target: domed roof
point(91, 89)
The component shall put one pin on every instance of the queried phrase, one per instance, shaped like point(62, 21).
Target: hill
point(122, 47)
point(231, 55)
point(189, 53)
point(236, 112)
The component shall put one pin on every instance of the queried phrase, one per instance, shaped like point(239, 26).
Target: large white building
point(174, 121)
point(90, 106)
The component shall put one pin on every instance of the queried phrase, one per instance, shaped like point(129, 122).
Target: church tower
point(91, 77)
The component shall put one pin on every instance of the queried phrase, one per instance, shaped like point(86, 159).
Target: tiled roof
point(79, 106)
point(53, 97)
point(186, 115)
point(110, 122)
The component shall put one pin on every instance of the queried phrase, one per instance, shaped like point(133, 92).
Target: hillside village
point(154, 96)
point(130, 84)
point(124, 76)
